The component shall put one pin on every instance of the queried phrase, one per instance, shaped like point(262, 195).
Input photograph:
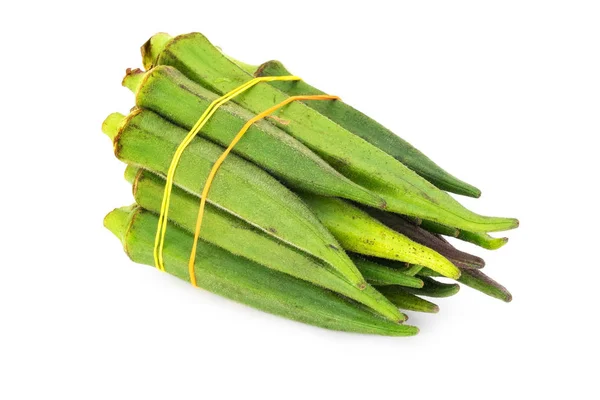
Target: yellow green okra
point(240, 238)
point(240, 188)
point(360, 233)
point(403, 190)
point(244, 281)
point(426, 238)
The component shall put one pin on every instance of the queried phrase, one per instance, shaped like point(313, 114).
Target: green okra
point(413, 269)
point(479, 281)
point(370, 130)
point(433, 288)
point(380, 275)
point(407, 301)
point(426, 238)
point(241, 188)
point(169, 93)
point(440, 229)
point(405, 268)
point(482, 240)
point(403, 190)
point(483, 283)
point(244, 281)
point(360, 233)
point(242, 239)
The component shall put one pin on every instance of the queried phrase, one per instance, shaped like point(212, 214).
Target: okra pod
point(433, 288)
point(360, 233)
point(244, 281)
point(370, 130)
point(407, 301)
point(169, 93)
point(403, 190)
point(421, 236)
point(380, 275)
point(241, 188)
point(479, 281)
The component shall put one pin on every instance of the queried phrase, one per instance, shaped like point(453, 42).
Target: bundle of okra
point(320, 214)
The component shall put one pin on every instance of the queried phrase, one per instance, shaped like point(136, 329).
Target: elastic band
point(161, 230)
point(215, 168)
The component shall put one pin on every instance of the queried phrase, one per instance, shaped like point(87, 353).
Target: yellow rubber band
point(208, 113)
point(215, 168)
point(161, 229)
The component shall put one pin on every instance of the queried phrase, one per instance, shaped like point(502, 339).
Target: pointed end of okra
point(153, 47)
point(453, 273)
point(467, 190)
point(133, 79)
point(111, 125)
point(497, 243)
point(406, 330)
point(444, 267)
point(117, 221)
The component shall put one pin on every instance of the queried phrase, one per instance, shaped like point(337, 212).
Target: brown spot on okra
point(272, 230)
point(334, 247)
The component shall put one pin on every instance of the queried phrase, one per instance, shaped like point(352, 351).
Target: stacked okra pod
point(322, 215)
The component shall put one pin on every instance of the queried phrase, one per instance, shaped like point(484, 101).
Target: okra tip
point(496, 243)
point(466, 189)
point(153, 47)
point(110, 126)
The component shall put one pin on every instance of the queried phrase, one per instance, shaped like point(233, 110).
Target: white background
point(504, 94)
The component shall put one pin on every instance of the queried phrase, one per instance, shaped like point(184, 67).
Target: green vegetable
point(408, 301)
point(240, 188)
point(244, 281)
point(240, 238)
point(377, 274)
point(169, 93)
point(370, 130)
point(358, 232)
point(421, 236)
point(483, 283)
point(403, 190)
point(483, 240)
point(433, 288)
point(305, 185)
point(479, 281)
